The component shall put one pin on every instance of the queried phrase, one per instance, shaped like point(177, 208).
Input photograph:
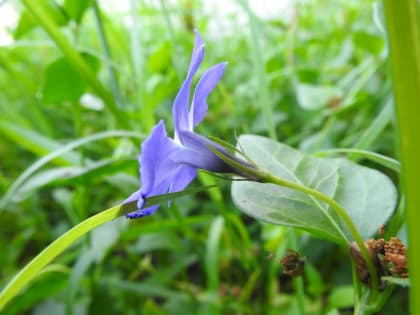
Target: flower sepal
point(240, 163)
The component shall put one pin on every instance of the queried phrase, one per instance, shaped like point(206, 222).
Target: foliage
point(81, 86)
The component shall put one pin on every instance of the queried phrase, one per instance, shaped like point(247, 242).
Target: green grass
point(62, 162)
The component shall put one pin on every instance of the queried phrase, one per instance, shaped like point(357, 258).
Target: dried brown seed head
point(293, 264)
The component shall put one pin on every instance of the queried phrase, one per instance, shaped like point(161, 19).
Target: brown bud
point(395, 258)
point(388, 257)
point(293, 264)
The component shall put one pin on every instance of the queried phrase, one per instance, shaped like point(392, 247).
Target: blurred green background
point(82, 83)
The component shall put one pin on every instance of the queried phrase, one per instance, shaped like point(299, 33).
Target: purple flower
point(169, 165)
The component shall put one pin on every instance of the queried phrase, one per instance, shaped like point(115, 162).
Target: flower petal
point(153, 159)
point(185, 175)
point(206, 84)
point(182, 99)
point(156, 170)
point(196, 153)
point(133, 197)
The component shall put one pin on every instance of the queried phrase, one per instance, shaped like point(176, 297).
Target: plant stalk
point(403, 26)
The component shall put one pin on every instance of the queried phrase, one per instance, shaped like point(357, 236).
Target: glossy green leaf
point(367, 195)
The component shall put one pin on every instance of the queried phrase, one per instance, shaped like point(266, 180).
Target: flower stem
point(269, 178)
point(264, 176)
point(403, 30)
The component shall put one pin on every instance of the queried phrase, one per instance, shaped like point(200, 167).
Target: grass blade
point(403, 24)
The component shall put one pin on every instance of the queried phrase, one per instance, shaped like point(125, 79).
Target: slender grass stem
point(107, 54)
point(147, 117)
point(263, 84)
point(170, 28)
point(403, 25)
point(73, 56)
point(356, 285)
point(64, 241)
point(56, 153)
point(57, 247)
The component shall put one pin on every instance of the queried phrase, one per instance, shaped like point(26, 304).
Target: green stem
point(269, 178)
point(383, 297)
point(170, 28)
point(373, 156)
point(366, 308)
point(398, 219)
point(357, 288)
point(138, 61)
point(297, 281)
point(403, 25)
point(361, 309)
point(263, 83)
point(107, 53)
point(263, 176)
point(57, 247)
point(73, 56)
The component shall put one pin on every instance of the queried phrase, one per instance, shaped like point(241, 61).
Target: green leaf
point(367, 195)
point(102, 301)
point(27, 23)
point(36, 142)
point(313, 97)
point(364, 154)
point(160, 59)
point(26, 274)
point(46, 285)
point(213, 252)
point(341, 296)
point(369, 42)
point(76, 8)
point(62, 82)
point(404, 282)
point(55, 150)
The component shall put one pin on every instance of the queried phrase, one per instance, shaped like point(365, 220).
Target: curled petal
point(182, 99)
point(206, 84)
